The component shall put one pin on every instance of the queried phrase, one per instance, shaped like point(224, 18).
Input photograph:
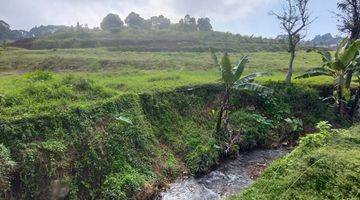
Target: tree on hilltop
point(204, 24)
point(112, 22)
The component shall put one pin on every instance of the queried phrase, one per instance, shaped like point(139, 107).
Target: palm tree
point(233, 80)
point(337, 67)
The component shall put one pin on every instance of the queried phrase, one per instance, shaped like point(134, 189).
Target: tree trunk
point(219, 120)
point(290, 69)
point(340, 99)
point(223, 108)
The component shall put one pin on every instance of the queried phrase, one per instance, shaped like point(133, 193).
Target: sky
point(247, 17)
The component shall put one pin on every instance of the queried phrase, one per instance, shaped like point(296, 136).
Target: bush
point(39, 75)
point(7, 166)
point(203, 156)
point(255, 129)
point(39, 166)
point(123, 186)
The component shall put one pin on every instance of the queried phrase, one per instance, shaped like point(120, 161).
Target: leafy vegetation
point(120, 111)
point(120, 146)
point(338, 68)
point(7, 166)
point(325, 165)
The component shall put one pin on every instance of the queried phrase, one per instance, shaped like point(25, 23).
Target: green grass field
point(105, 59)
point(83, 76)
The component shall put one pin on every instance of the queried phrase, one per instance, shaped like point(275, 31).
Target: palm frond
point(326, 55)
point(316, 72)
point(341, 48)
point(253, 87)
point(226, 69)
point(239, 69)
point(349, 54)
point(250, 78)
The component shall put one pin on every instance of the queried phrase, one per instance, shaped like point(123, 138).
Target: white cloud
point(27, 13)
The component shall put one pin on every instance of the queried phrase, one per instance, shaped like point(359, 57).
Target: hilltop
point(138, 34)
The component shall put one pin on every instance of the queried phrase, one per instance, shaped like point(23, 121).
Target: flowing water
point(229, 178)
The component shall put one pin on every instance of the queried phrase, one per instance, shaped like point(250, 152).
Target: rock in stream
point(229, 178)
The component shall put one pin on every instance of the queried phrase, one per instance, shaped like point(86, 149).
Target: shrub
point(6, 168)
point(203, 156)
point(123, 186)
point(39, 75)
point(39, 165)
point(255, 129)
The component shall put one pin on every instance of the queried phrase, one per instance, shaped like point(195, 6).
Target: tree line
point(112, 22)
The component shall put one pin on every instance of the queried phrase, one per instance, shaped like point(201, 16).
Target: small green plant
point(39, 75)
point(263, 120)
point(295, 124)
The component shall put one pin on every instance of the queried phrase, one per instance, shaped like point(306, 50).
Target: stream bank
point(229, 178)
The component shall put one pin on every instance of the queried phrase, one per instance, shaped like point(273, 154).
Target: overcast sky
point(238, 16)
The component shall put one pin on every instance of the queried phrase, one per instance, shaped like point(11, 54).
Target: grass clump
point(324, 166)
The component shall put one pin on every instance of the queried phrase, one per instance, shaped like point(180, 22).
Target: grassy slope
point(326, 165)
point(102, 59)
point(89, 150)
point(155, 40)
point(115, 73)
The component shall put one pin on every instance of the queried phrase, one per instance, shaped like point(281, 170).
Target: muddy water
point(229, 178)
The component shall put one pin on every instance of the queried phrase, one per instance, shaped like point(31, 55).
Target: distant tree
point(19, 34)
point(293, 19)
point(160, 22)
point(349, 18)
point(133, 20)
point(4, 26)
point(4, 30)
point(187, 24)
point(204, 24)
point(46, 30)
point(112, 22)
point(7, 34)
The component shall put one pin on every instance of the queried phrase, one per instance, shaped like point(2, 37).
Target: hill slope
point(152, 40)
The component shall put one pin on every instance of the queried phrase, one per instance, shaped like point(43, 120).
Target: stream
point(228, 179)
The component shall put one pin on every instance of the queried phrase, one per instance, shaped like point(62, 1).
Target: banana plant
point(232, 78)
point(356, 73)
point(336, 67)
